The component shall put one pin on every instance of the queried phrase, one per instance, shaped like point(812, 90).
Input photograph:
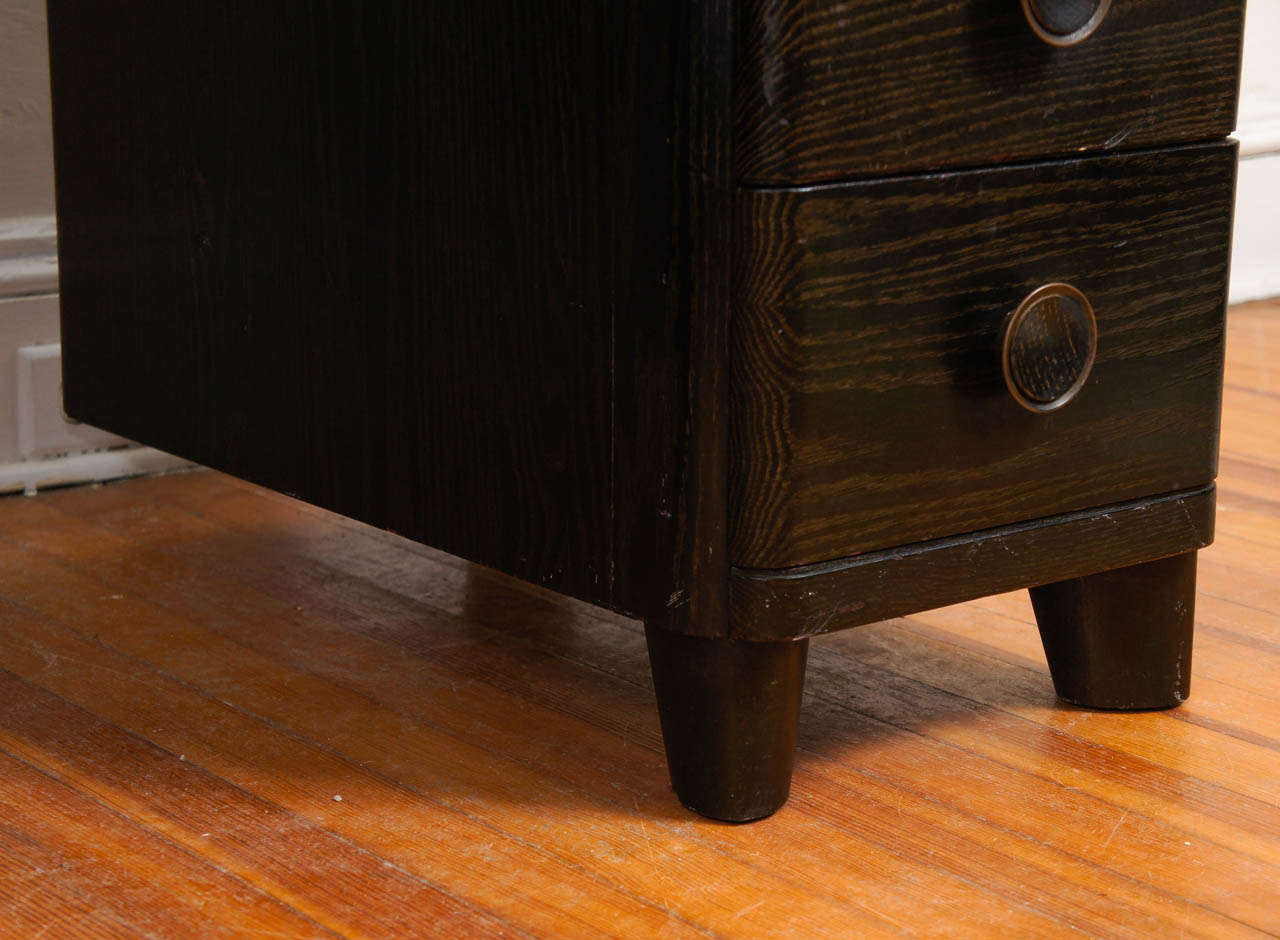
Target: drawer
point(870, 404)
point(832, 90)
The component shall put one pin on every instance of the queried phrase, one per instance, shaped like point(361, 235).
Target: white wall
point(1255, 263)
point(26, 172)
point(26, 160)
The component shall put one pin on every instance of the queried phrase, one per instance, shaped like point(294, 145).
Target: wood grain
point(698, 556)
point(253, 840)
point(869, 409)
point(369, 235)
point(90, 846)
point(829, 90)
point(828, 596)
point(195, 655)
point(613, 733)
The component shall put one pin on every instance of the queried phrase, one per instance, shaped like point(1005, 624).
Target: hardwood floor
point(227, 714)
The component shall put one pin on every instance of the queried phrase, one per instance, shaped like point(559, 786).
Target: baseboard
point(28, 476)
point(38, 447)
point(28, 256)
point(1255, 257)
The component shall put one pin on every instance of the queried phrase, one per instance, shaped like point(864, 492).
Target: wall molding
point(30, 476)
point(28, 256)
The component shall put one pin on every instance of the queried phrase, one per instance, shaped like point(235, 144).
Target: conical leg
point(1121, 639)
point(729, 712)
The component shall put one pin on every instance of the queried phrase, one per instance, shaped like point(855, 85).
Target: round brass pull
point(1064, 22)
point(1049, 345)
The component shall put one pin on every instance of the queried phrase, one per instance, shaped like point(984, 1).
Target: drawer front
point(833, 90)
point(870, 405)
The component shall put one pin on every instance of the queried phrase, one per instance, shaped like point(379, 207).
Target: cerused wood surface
point(441, 270)
point(869, 407)
point(829, 90)
point(829, 596)
point(191, 669)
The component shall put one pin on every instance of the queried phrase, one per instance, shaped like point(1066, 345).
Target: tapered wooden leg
point(1121, 639)
point(729, 712)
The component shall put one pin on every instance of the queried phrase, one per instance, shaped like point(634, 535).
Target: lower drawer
point(876, 401)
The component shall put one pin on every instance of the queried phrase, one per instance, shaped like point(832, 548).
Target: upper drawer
point(829, 90)
point(870, 403)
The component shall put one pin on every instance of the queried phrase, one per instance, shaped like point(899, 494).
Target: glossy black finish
point(1121, 639)
point(729, 713)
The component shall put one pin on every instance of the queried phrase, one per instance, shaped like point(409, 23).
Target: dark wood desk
point(753, 320)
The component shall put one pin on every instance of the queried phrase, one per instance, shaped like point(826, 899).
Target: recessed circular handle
point(1049, 345)
point(1064, 22)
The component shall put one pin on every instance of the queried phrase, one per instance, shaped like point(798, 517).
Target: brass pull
point(1064, 22)
point(1049, 345)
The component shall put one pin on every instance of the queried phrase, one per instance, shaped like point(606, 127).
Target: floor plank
point(225, 713)
point(132, 872)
